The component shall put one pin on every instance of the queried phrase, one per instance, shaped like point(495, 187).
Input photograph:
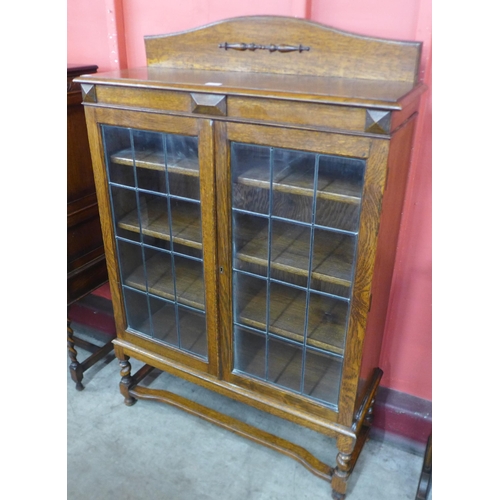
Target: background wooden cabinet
point(244, 186)
point(85, 249)
point(86, 261)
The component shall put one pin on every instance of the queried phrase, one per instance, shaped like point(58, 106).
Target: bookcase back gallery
point(250, 183)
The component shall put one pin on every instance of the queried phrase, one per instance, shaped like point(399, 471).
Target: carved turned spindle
point(126, 380)
point(271, 47)
point(75, 368)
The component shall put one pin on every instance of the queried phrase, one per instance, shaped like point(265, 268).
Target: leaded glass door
point(155, 179)
point(295, 219)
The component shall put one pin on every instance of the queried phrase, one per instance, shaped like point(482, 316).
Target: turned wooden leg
point(342, 471)
point(340, 476)
point(75, 368)
point(349, 448)
point(126, 380)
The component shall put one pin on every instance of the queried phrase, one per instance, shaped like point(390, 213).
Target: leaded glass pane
point(295, 223)
point(155, 199)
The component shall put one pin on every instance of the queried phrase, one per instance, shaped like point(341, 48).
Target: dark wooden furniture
point(86, 261)
point(425, 480)
point(85, 250)
point(250, 182)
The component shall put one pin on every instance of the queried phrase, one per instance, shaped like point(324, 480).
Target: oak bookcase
point(250, 183)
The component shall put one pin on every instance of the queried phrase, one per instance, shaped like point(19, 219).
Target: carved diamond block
point(88, 93)
point(378, 122)
point(208, 104)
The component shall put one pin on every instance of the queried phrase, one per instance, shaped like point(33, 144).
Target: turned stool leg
point(75, 368)
point(126, 379)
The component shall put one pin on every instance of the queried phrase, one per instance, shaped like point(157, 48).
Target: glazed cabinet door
point(294, 209)
point(157, 181)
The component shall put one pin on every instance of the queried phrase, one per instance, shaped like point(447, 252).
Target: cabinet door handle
point(270, 48)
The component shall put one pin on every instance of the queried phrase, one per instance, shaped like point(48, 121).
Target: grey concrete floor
point(154, 451)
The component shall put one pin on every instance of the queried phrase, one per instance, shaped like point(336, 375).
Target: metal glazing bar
point(353, 269)
point(293, 285)
point(232, 156)
point(250, 328)
point(297, 222)
point(269, 240)
point(113, 215)
point(233, 254)
point(132, 144)
point(172, 259)
point(309, 274)
point(249, 212)
point(160, 250)
point(325, 228)
point(164, 299)
point(156, 193)
point(287, 340)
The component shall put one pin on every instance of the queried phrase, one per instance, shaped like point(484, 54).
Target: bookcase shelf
point(155, 160)
point(156, 277)
point(154, 222)
point(297, 181)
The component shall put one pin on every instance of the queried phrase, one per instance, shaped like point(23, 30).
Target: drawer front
point(310, 115)
point(163, 100)
point(294, 114)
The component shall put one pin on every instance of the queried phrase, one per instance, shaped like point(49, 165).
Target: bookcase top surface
point(353, 92)
point(278, 57)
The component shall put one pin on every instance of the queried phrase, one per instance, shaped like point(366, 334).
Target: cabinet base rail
point(300, 454)
point(336, 476)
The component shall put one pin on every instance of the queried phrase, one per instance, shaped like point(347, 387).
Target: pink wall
point(406, 356)
point(96, 34)
point(110, 33)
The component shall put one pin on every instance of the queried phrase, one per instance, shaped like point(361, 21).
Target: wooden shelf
point(322, 374)
point(332, 259)
point(155, 160)
point(326, 325)
point(188, 279)
point(186, 224)
point(293, 180)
